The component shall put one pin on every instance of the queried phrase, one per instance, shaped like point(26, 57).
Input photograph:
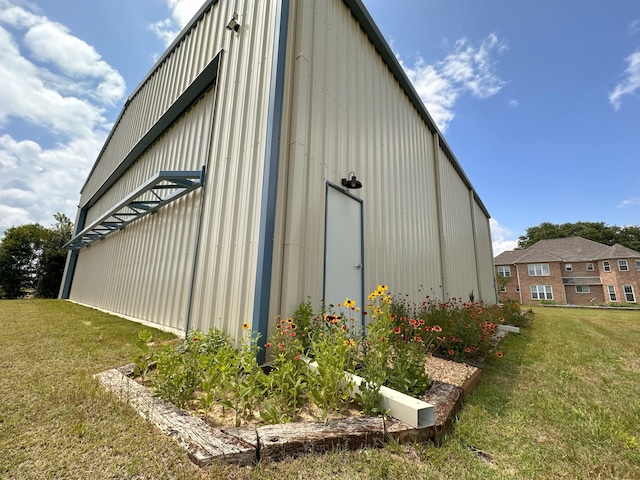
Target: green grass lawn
point(564, 402)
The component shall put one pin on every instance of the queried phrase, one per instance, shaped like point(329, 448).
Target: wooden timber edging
point(246, 446)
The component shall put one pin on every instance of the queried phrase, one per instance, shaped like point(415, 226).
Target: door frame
point(330, 185)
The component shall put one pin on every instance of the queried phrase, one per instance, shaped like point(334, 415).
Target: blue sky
point(540, 101)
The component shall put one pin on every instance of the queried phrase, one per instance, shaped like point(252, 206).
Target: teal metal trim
point(158, 191)
point(262, 296)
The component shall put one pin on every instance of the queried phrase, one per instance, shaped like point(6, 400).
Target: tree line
point(628, 236)
point(32, 259)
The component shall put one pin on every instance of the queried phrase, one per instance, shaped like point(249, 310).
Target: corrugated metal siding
point(347, 113)
point(486, 271)
point(225, 277)
point(145, 270)
point(460, 257)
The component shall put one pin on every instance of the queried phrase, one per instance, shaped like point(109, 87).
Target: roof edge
point(361, 14)
point(168, 51)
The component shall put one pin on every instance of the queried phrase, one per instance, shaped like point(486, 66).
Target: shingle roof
point(619, 251)
point(573, 249)
point(509, 257)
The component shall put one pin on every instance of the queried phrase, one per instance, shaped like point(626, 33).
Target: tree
point(20, 253)
point(53, 258)
point(628, 236)
point(32, 258)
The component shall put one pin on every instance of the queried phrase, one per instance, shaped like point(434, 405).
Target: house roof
point(619, 251)
point(573, 249)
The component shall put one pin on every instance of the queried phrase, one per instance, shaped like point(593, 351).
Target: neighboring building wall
point(619, 279)
point(554, 279)
point(587, 278)
point(510, 283)
point(145, 271)
point(595, 296)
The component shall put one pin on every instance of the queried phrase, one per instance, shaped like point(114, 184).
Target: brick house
point(569, 271)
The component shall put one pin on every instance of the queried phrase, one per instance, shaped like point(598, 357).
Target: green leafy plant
point(400, 344)
point(145, 357)
point(177, 376)
point(243, 382)
point(329, 388)
point(287, 381)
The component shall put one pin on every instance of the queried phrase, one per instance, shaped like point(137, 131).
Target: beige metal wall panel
point(145, 271)
point(486, 270)
point(139, 272)
point(460, 256)
point(346, 112)
point(226, 270)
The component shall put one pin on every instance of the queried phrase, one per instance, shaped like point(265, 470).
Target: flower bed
point(214, 376)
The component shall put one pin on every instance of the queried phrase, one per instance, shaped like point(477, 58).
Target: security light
point(233, 24)
point(353, 183)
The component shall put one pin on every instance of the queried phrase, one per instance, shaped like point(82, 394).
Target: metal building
point(218, 197)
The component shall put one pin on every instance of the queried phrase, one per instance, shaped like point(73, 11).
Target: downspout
point(196, 247)
point(262, 294)
point(440, 206)
point(519, 285)
point(203, 176)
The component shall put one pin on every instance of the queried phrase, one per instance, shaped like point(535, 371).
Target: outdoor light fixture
point(233, 24)
point(353, 182)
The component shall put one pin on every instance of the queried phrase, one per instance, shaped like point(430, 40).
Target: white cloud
point(500, 238)
point(630, 83)
point(513, 103)
point(181, 12)
point(467, 68)
point(634, 201)
point(35, 183)
point(60, 84)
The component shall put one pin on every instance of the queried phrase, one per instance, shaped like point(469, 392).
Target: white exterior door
point(343, 265)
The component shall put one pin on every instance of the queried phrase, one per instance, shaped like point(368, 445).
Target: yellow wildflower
point(349, 343)
point(348, 303)
point(245, 326)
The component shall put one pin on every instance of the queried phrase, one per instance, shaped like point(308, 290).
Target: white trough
point(405, 408)
point(509, 328)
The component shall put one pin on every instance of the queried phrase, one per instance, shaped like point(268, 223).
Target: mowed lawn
point(563, 402)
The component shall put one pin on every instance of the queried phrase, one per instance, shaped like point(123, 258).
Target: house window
point(590, 267)
point(628, 293)
point(504, 271)
point(638, 265)
point(503, 289)
point(606, 266)
point(568, 267)
point(538, 269)
point(541, 292)
point(582, 289)
point(623, 266)
point(518, 288)
point(612, 293)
